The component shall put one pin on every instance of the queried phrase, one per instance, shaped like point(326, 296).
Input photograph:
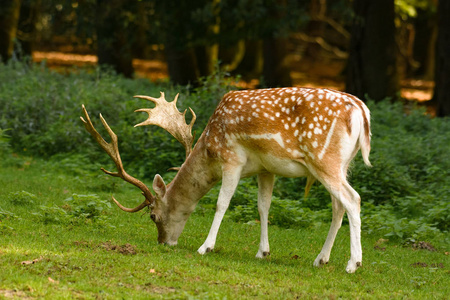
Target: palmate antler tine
point(167, 116)
point(112, 149)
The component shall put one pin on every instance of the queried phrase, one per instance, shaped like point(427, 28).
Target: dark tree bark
point(425, 28)
point(9, 17)
point(206, 57)
point(372, 60)
point(441, 96)
point(29, 13)
point(252, 62)
point(276, 70)
point(181, 64)
point(176, 25)
point(114, 44)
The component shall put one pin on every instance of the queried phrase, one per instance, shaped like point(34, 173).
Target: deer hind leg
point(353, 209)
point(350, 201)
point(230, 181)
point(265, 188)
point(336, 222)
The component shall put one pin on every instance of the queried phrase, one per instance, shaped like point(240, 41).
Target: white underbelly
point(278, 166)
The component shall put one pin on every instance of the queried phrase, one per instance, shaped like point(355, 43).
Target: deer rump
point(290, 132)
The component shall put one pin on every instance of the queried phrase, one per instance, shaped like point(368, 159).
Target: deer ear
point(159, 186)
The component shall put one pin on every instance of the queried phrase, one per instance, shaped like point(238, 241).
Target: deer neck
point(198, 174)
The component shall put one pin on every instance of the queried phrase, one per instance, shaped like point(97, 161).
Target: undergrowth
point(405, 195)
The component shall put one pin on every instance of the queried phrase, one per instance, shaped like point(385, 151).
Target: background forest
point(371, 48)
point(61, 238)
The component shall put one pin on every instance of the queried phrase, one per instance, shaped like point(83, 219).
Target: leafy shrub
point(78, 209)
point(86, 206)
point(4, 143)
point(6, 214)
point(22, 198)
point(52, 215)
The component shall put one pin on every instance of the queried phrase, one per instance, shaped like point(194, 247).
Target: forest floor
point(316, 74)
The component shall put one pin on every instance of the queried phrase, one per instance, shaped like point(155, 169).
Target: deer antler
point(166, 115)
point(112, 149)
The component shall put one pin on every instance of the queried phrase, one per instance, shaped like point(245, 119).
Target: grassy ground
point(117, 256)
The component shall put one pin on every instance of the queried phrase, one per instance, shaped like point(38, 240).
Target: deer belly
point(269, 163)
point(283, 166)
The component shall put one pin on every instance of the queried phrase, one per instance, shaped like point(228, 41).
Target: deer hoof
point(320, 261)
point(204, 249)
point(351, 266)
point(262, 254)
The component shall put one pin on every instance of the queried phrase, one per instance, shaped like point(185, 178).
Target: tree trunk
point(252, 62)
point(181, 64)
point(207, 58)
point(113, 38)
point(29, 14)
point(9, 17)
point(276, 69)
point(425, 27)
point(441, 96)
point(372, 60)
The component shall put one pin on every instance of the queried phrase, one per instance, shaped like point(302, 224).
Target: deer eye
point(153, 217)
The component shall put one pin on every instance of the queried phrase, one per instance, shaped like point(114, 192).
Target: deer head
point(165, 115)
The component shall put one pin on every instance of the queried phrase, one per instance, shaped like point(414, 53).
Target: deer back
point(307, 125)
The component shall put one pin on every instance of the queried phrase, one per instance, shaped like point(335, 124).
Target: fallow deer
point(291, 132)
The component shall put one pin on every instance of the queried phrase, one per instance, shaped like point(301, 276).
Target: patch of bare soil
point(126, 249)
point(425, 265)
point(14, 294)
point(423, 246)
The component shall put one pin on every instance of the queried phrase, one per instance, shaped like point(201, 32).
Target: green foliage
point(23, 198)
point(5, 147)
point(407, 9)
point(6, 214)
point(77, 210)
point(52, 215)
point(87, 206)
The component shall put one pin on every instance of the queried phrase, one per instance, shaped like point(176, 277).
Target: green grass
point(116, 256)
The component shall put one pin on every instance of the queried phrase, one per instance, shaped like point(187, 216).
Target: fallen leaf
point(53, 280)
point(295, 257)
point(30, 262)
point(381, 241)
point(152, 271)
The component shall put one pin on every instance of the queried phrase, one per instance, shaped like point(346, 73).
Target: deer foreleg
point(230, 181)
point(265, 184)
point(336, 222)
